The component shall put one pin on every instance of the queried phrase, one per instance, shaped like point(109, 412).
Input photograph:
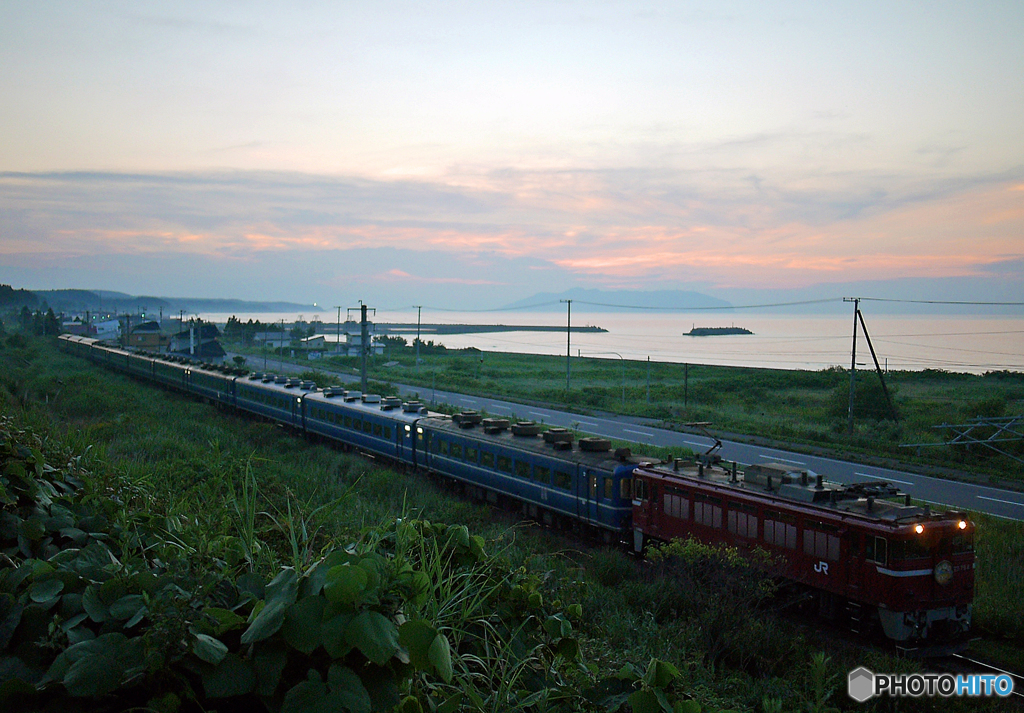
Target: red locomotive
point(863, 551)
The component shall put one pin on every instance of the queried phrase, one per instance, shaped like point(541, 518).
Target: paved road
point(994, 501)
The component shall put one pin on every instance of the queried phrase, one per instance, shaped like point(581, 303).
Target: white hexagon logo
point(861, 684)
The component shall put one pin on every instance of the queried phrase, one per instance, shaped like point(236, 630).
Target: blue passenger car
point(551, 480)
point(275, 397)
point(367, 422)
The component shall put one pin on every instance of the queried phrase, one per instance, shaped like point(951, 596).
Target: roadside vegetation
point(160, 554)
point(804, 408)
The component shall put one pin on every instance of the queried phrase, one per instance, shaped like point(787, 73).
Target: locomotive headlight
point(919, 529)
point(962, 524)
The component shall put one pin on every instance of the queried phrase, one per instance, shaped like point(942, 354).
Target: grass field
point(808, 408)
point(237, 496)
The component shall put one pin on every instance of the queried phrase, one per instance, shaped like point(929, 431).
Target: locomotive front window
point(914, 548)
point(963, 543)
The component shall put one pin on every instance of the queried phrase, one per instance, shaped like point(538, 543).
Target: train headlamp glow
point(419, 429)
point(408, 429)
point(919, 529)
point(962, 524)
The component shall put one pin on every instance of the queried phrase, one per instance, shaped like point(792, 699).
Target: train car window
point(442, 446)
point(472, 454)
point(367, 427)
point(626, 488)
point(378, 430)
point(706, 511)
point(522, 469)
point(357, 425)
point(780, 529)
point(609, 489)
point(348, 422)
point(676, 505)
point(487, 459)
point(542, 474)
point(456, 450)
point(387, 432)
point(742, 523)
point(592, 487)
point(504, 464)
point(562, 480)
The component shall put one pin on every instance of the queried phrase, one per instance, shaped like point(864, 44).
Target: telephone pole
point(568, 336)
point(419, 312)
point(853, 359)
point(365, 333)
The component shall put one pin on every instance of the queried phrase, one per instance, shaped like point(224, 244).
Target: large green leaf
point(333, 633)
point(441, 656)
point(416, 636)
point(374, 635)
point(45, 590)
point(347, 689)
point(281, 593)
point(302, 623)
point(345, 582)
point(94, 606)
point(209, 649)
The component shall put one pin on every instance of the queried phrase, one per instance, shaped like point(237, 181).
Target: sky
point(470, 154)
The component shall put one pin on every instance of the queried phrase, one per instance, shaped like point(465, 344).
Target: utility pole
point(337, 346)
point(568, 345)
point(648, 379)
point(419, 312)
point(853, 358)
point(365, 331)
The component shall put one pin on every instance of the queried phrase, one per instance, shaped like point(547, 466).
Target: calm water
point(971, 344)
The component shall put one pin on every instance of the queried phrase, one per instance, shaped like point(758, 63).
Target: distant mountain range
point(106, 301)
point(621, 300)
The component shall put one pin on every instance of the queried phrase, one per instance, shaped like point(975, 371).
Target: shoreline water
point(807, 342)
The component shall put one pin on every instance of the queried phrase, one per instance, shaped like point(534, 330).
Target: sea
point(973, 344)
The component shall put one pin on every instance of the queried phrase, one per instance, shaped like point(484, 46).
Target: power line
point(941, 302)
point(702, 309)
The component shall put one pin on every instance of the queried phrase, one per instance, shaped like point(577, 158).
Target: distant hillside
point(107, 301)
point(621, 300)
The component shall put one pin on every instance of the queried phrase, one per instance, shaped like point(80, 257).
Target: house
point(273, 340)
point(148, 336)
point(199, 341)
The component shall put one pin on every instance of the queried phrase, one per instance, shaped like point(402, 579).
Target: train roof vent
point(307, 385)
point(353, 395)
point(525, 428)
point(562, 445)
point(467, 419)
point(329, 391)
point(595, 445)
point(558, 435)
point(255, 375)
point(495, 425)
point(390, 402)
point(268, 377)
point(412, 407)
point(292, 382)
point(281, 379)
point(371, 398)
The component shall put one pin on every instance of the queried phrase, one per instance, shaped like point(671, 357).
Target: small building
point(317, 341)
point(199, 341)
point(148, 336)
point(272, 340)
